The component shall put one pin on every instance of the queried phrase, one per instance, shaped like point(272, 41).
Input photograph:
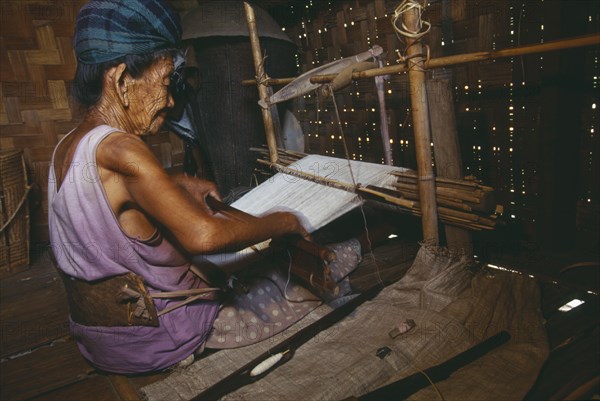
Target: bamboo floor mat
point(44, 375)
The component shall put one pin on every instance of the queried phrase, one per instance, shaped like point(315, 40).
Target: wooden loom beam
point(475, 201)
point(261, 75)
point(422, 132)
point(368, 191)
point(440, 62)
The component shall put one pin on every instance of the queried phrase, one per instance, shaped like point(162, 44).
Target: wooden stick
point(482, 201)
point(125, 390)
point(463, 219)
point(458, 185)
point(473, 188)
point(452, 203)
point(449, 193)
point(458, 222)
point(269, 81)
point(407, 199)
point(385, 132)
point(261, 75)
point(399, 203)
point(396, 200)
point(285, 160)
point(440, 62)
point(187, 301)
point(420, 113)
point(413, 175)
point(336, 184)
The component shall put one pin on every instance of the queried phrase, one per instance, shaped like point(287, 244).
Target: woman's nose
point(170, 100)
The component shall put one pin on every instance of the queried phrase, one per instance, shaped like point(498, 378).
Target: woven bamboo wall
point(506, 109)
point(37, 64)
point(328, 30)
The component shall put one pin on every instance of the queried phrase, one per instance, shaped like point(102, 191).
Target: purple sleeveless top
point(89, 244)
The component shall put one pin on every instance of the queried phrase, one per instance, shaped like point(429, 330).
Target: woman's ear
point(120, 82)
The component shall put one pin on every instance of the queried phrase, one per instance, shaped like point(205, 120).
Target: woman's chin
point(156, 126)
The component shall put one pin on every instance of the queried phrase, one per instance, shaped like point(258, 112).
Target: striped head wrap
point(108, 29)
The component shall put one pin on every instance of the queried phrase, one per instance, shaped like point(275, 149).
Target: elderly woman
point(114, 212)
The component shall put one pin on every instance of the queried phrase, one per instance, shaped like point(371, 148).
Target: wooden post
point(447, 151)
point(420, 113)
point(262, 89)
point(385, 132)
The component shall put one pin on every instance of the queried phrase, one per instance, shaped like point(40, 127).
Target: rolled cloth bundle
point(109, 29)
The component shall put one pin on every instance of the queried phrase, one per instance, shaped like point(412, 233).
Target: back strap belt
point(122, 300)
point(116, 301)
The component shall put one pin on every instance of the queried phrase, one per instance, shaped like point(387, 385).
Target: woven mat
point(453, 311)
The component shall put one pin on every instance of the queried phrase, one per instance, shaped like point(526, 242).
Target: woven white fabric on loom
point(316, 204)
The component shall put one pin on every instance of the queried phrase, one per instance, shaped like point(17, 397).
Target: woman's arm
point(198, 189)
point(144, 182)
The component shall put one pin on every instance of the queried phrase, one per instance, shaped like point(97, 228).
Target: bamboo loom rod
point(469, 224)
point(411, 175)
point(422, 132)
point(405, 177)
point(454, 217)
point(571, 43)
point(385, 131)
point(443, 192)
point(261, 75)
point(338, 184)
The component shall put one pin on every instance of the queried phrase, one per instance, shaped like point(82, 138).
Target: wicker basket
point(14, 213)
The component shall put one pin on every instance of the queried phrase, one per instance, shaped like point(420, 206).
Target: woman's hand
point(296, 224)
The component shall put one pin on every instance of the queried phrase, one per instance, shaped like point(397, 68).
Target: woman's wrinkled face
point(149, 98)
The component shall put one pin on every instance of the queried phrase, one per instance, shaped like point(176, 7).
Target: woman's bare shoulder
point(127, 154)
